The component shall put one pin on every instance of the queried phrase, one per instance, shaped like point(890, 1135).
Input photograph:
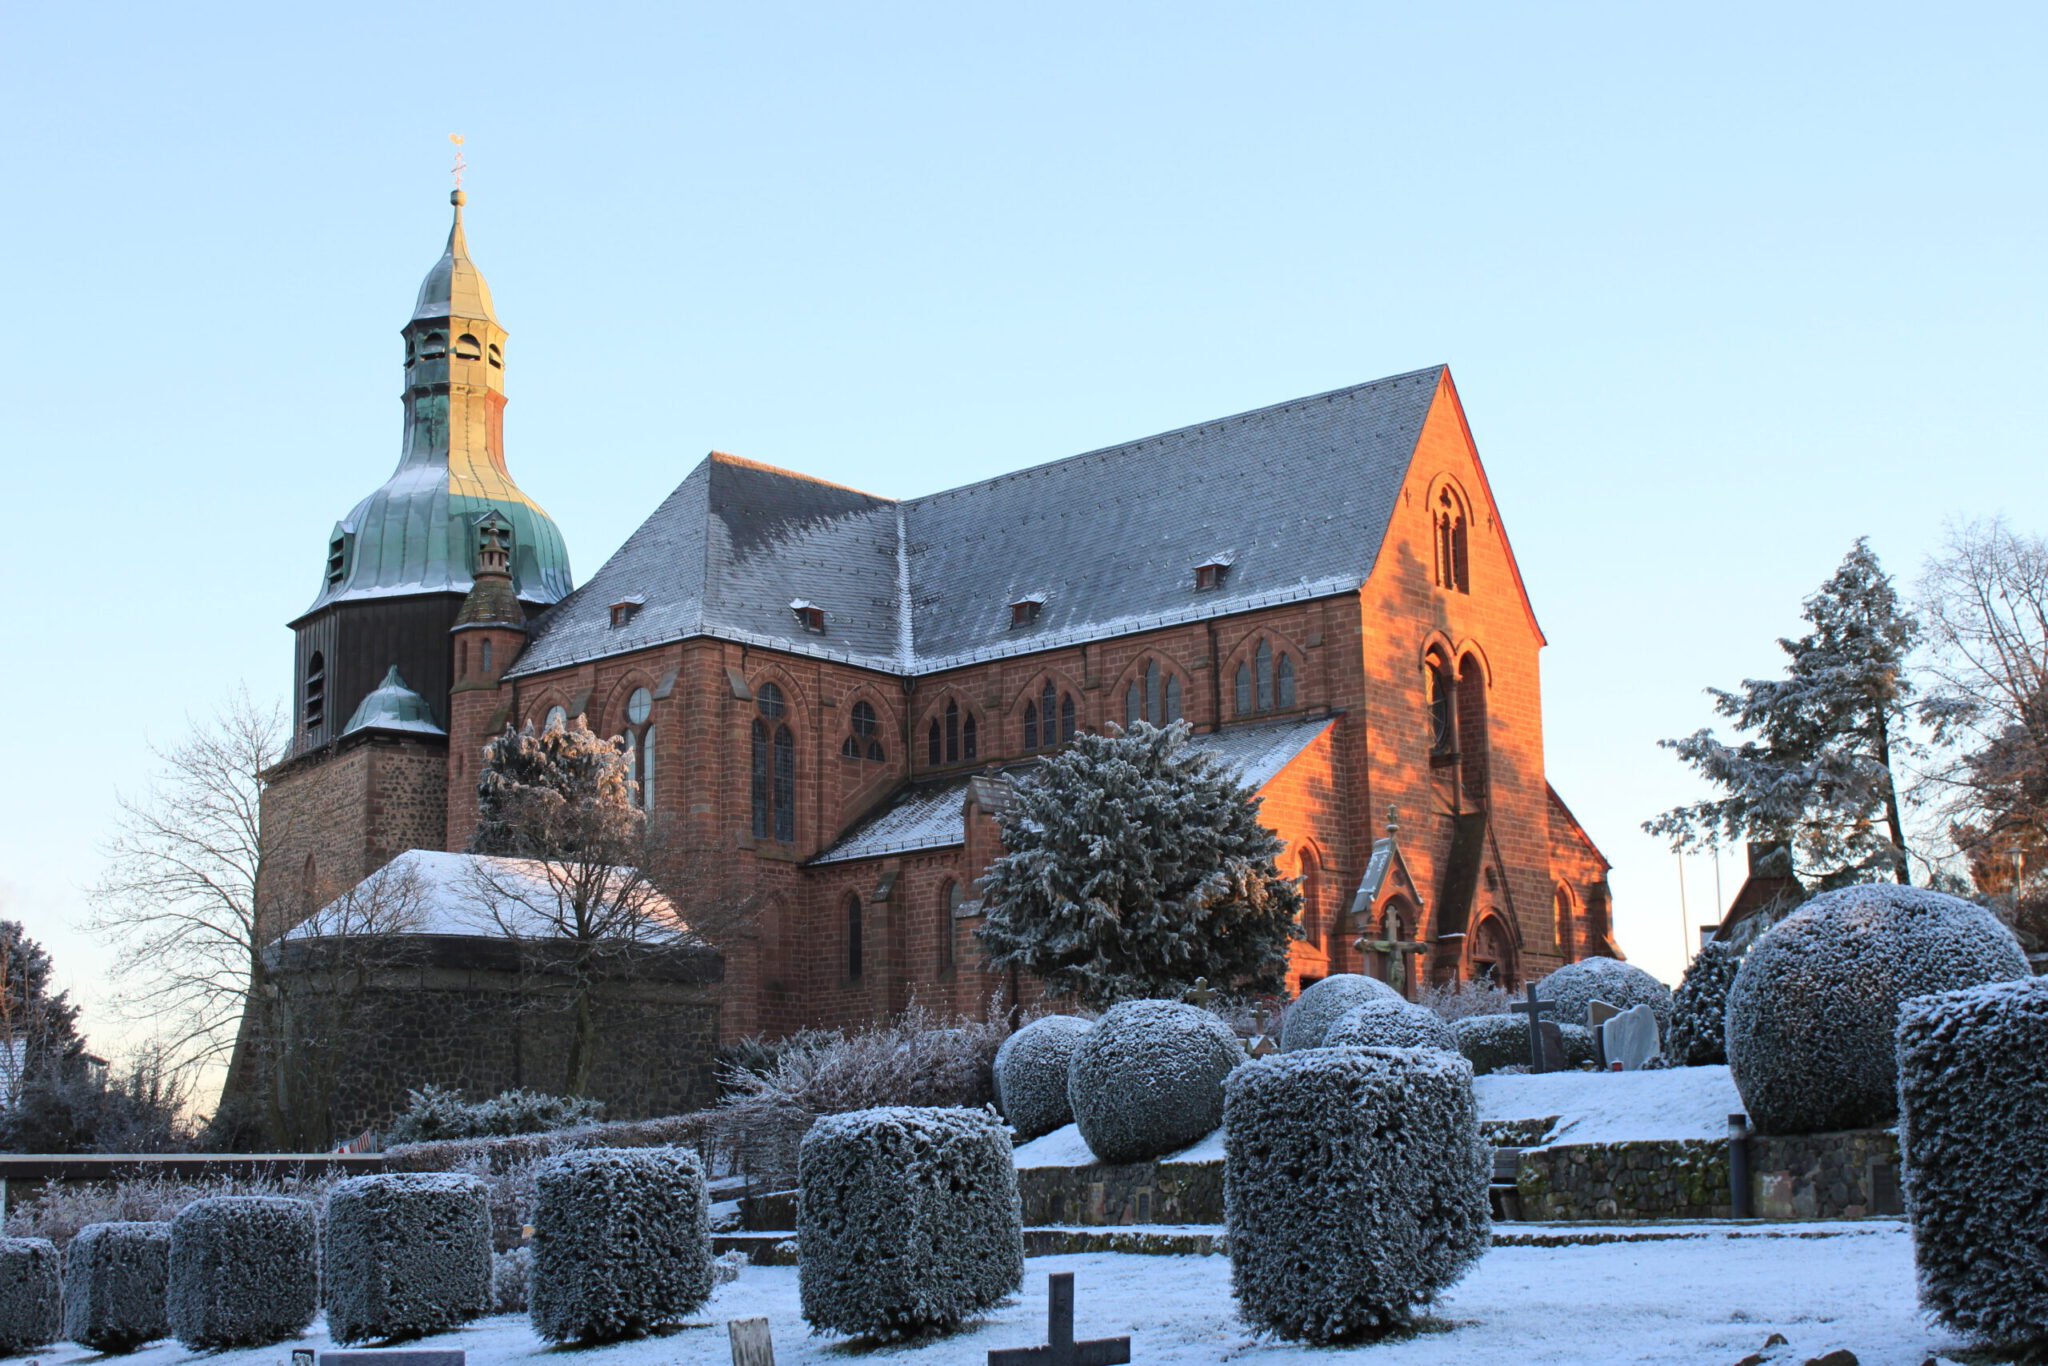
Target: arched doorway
point(1493, 953)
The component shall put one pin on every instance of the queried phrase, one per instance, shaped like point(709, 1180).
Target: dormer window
point(1211, 572)
point(1025, 610)
point(337, 561)
point(625, 609)
point(809, 616)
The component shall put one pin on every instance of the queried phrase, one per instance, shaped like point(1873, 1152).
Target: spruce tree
point(1699, 1008)
point(1815, 769)
point(1133, 865)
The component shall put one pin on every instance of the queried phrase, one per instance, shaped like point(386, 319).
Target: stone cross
point(1397, 950)
point(1061, 1349)
point(1535, 1008)
point(1200, 994)
point(1261, 1042)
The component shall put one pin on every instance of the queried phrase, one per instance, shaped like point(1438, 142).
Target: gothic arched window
point(1472, 756)
point(1452, 561)
point(1049, 719)
point(1567, 943)
point(638, 740)
point(773, 767)
point(862, 743)
point(1443, 729)
point(957, 739)
point(1312, 899)
point(1265, 681)
point(1153, 696)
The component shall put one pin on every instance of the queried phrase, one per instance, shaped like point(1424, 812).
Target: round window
point(639, 706)
point(557, 716)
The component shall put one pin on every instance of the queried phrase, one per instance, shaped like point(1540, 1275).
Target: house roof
point(1295, 498)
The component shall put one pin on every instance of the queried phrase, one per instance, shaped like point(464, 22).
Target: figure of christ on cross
point(1060, 1348)
point(1396, 949)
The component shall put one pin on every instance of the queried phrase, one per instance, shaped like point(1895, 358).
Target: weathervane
point(460, 164)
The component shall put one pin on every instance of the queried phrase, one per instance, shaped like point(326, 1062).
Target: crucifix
point(1535, 1008)
point(1200, 994)
point(1060, 1348)
point(1395, 948)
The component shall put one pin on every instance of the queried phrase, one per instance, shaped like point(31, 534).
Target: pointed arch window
point(1265, 680)
point(773, 766)
point(955, 741)
point(1048, 718)
point(865, 740)
point(1452, 559)
point(1153, 696)
point(1443, 729)
point(1312, 927)
point(637, 738)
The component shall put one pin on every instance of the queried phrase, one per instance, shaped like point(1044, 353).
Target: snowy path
point(1708, 1300)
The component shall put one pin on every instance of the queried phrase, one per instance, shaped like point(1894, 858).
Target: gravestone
point(1630, 1038)
point(1597, 1014)
point(752, 1344)
point(1060, 1348)
point(1553, 1046)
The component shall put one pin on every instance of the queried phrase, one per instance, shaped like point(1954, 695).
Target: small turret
point(488, 634)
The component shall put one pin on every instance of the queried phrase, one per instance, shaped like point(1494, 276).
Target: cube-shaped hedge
point(115, 1279)
point(406, 1255)
point(244, 1271)
point(1973, 1103)
point(621, 1243)
point(30, 1311)
point(1354, 1187)
point(907, 1220)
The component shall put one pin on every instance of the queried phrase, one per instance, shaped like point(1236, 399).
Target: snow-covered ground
point(1708, 1299)
point(1591, 1107)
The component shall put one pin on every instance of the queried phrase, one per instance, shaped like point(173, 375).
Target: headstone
point(1061, 1349)
point(1630, 1038)
point(1597, 1014)
point(1553, 1045)
point(752, 1344)
point(416, 1356)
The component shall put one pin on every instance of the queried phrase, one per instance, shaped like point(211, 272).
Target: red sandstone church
point(837, 687)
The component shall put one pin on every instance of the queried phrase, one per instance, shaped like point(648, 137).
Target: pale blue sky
point(1723, 286)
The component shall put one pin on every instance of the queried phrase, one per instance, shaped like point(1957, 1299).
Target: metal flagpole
point(1684, 925)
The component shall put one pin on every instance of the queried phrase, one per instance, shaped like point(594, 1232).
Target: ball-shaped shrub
point(1575, 986)
point(1973, 1106)
point(621, 1243)
point(1031, 1074)
point(1147, 1080)
point(1699, 1008)
point(1317, 1008)
point(31, 1313)
point(406, 1255)
point(115, 1278)
point(1354, 1187)
point(243, 1271)
point(1391, 1024)
point(1814, 1008)
point(908, 1220)
point(1491, 1042)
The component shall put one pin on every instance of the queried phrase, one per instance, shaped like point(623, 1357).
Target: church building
point(834, 691)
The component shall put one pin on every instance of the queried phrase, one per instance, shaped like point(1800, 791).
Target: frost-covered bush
point(436, 1112)
point(1354, 1187)
point(1456, 1001)
point(1699, 1008)
point(405, 1255)
point(1311, 1016)
point(30, 1310)
point(1814, 1007)
point(1391, 1024)
point(115, 1277)
point(1575, 986)
point(621, 1243)
point(511, 1280)
point(1031, 1074)
point(907, 1220)
point(1973, 1101)
point(243, 1271)
point(1493, 1043)
point(1147, 1080)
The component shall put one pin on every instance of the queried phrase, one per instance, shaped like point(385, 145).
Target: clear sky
point(1723, 286)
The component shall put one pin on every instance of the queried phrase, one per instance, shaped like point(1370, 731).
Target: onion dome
point(393, 706)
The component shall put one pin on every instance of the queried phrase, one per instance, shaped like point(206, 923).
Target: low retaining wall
point(1853, 1174)
point(1848, 1175)
point(1134, 1193)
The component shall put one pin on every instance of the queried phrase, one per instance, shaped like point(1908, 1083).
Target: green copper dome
point(393, 706)
point(422, 530)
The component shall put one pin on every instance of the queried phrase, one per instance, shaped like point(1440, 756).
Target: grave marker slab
point(752, 1344)
point(1631, 1039)
point(1061, 1349)
point(1597, 1014)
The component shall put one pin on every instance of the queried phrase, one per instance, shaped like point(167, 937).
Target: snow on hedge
point(1575, 986)
point(1699, 1008)
point(243, 1271)
point(1973, 1099)
point(30, 1309)
point(1148, 1079)
point(1354, 1187)
point(1814, 1007)
point(1491, 1042)
point(621, 1243)
point(1317, 1008)
point(1391, 1024)
point(908, 1220)
point(1031, 1074)
point(405, 1255)
point(115, 1279)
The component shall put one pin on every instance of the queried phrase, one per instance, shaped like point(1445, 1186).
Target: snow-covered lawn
point(1709, 1298)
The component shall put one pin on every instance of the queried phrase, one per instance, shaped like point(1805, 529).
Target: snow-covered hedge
point(1973, 1100)
point(1031, 1074)
point(907, 1220)
point(621, 1243)
point(434, 1113)
point(243, 1271)
point(1491, 1042)
point(115, 1278)
point(406, 1255)
point(30, 1310)
point(1814, 1007)
point(1391, 1024)
point(1699, 1008)
point(1354, 1187)
point(1575, 986)
point(1147, 1080)
point(1311, 1016)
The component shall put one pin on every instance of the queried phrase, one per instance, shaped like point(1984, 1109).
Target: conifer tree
point(1815, 769)
point(1133, 865)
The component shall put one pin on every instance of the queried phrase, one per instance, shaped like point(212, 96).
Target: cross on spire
point(460, 165)
point(1060, 1348)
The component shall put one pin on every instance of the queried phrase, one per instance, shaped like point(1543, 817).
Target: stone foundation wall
point(1682, 1179)
point(1847, 1175)
point(1134, 1193)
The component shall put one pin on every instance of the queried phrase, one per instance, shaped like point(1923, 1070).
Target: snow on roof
point(429, 892)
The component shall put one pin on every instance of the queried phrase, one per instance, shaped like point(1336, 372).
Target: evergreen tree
point(1699, 1008)
point(1816, 769)
point(38, 1029)
point(1134, 864)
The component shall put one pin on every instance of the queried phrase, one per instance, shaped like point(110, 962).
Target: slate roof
point(1296, 497)
point(932, 815)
